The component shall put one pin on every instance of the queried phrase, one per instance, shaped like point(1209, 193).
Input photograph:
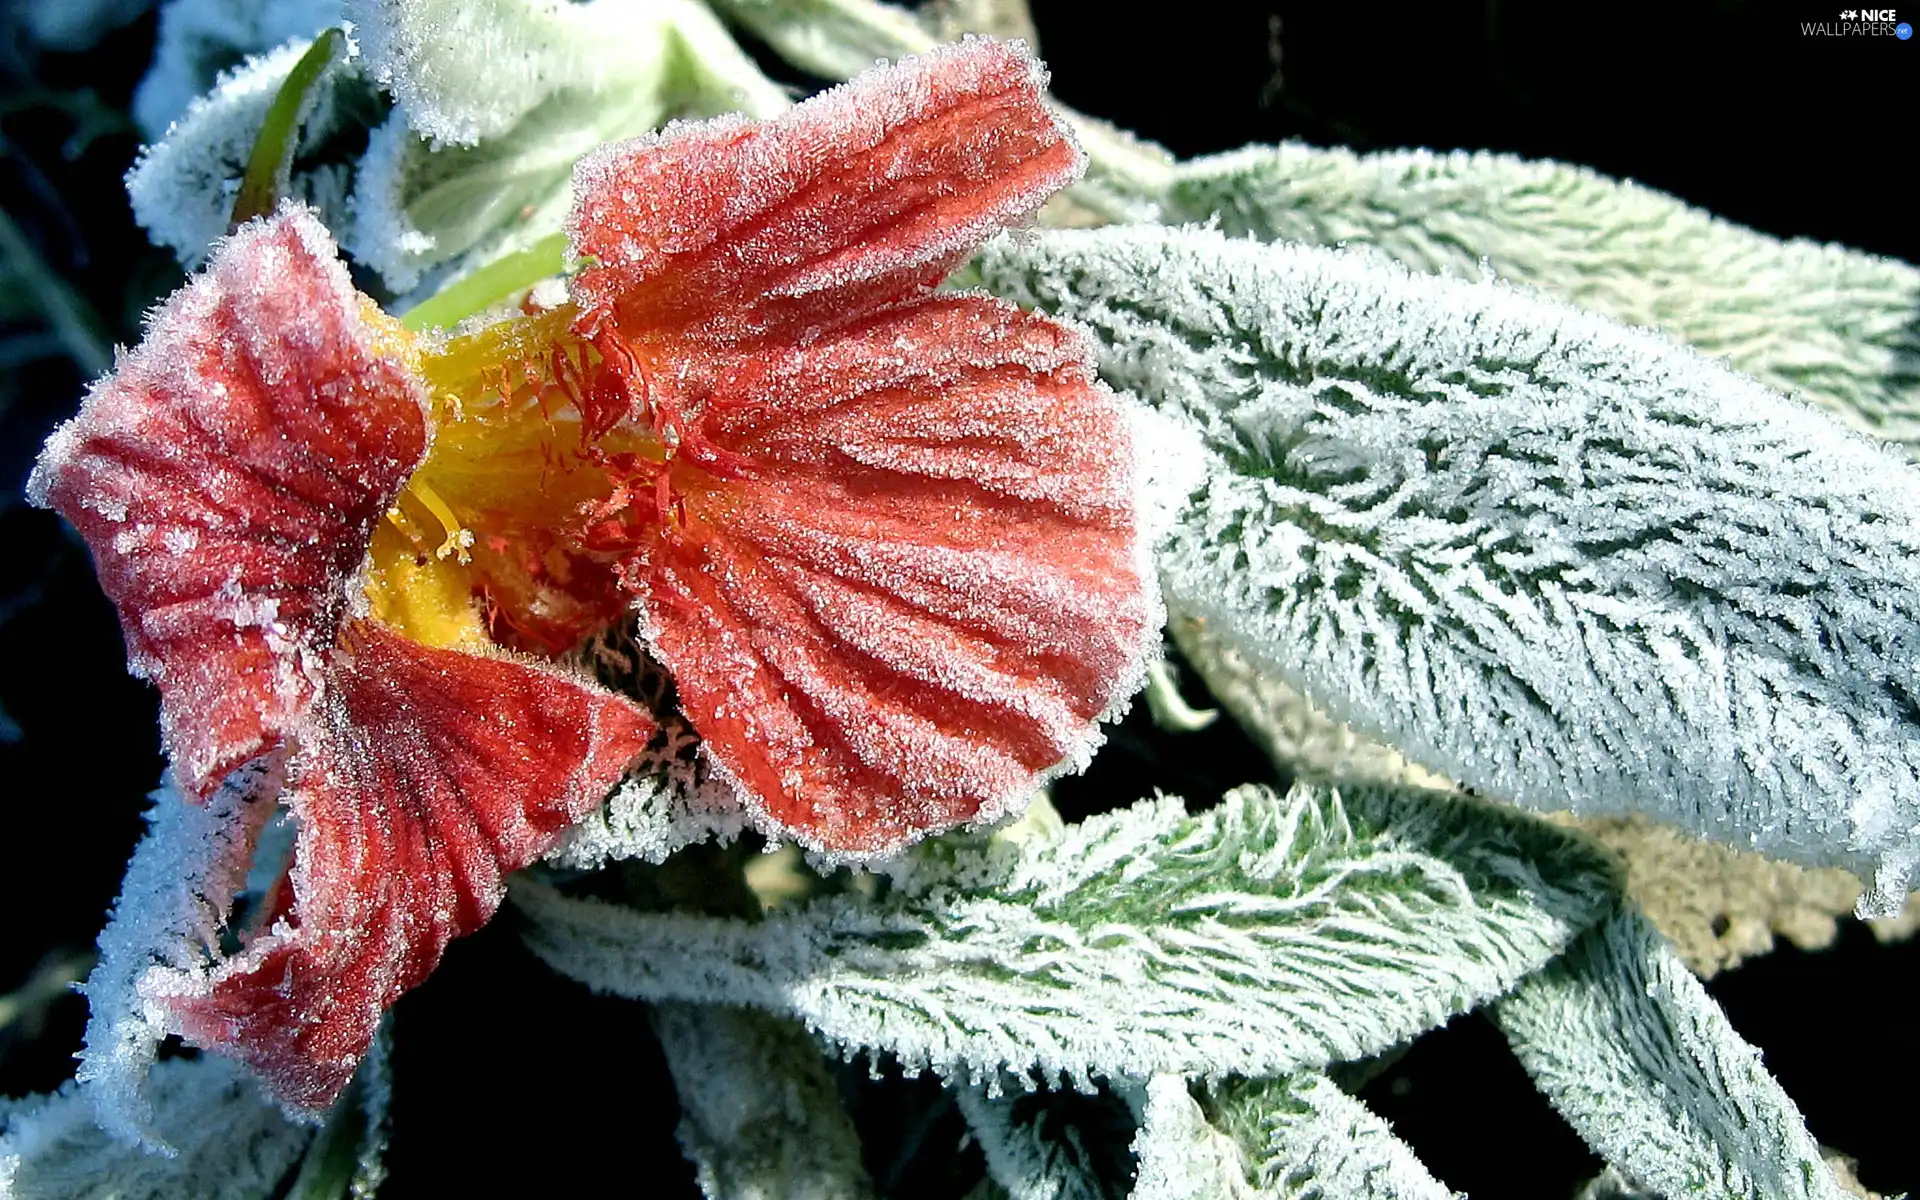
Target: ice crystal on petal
point(906, 576)
point(864, 194)
point(228, 477)
point(268, 421)
point(430, 776)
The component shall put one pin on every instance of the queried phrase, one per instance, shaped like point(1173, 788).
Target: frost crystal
point(1631, 1049)
point(173, 902)
point(183, 186)
point(1832, 324)
point(1302, 1136)
point(759, 1115)
point(1558, 560)
point(1262, 936)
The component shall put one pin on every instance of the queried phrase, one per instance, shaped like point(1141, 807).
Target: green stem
point(271, 164)
point(489, 285)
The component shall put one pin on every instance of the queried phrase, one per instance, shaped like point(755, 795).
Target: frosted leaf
point(230, 1141)
point(464, 72)
point(1840, 327)
point(496, 103)
point(1301, 739)
point(182, 187)
point(834, 39)
point(1262, 936)
point(1642, 1063)
point(1301, 1136)
point(233, 1144)
point(1516, 540)
point(178, 888)
point(760, 1117)
point(199, 39)
point(1182, 1156)
point(1034, 1150)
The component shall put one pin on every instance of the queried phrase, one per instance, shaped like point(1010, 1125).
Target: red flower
point(883, 539)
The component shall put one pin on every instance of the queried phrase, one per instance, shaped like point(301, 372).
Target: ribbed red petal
point(928, 589)
point(429, 775)
point(228, 476)
point(859, 196)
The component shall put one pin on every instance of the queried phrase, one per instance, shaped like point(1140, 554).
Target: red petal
point(862, 195)
point(431, 775)
point(927, 592)
point(228, 476)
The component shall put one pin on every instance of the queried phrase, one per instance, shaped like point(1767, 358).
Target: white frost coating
point(173, 901)
point(182, 188)
point(1840, 326)
point(760, 1117)
point(1301, 1136)
point(1627, 1044)
point(233, 1143)
point(1263, 936)
point(1301, 739)
point(1025, 1157)
point(1562, 561)
point(498, 100)
point(1181, 1156)
point(671, 797)
point(834, 39)
point(199, 39)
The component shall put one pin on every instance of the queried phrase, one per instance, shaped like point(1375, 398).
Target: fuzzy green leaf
point(1838, 326)
point(496, 102)
point(1640, 1060)
point(1565, 562)
point(1301, 1136)
point(226, 1140)
point(270, 165)
point(1265, 935)
point(759, 1116)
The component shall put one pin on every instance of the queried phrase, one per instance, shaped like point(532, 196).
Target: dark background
point(1724, 104)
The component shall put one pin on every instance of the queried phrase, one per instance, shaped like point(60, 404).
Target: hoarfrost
point(760, 1118)
point(497, 101)
point(1561, 561)
point(1836, 325)
point(232, 1143)
point(1182, 1157)
point(175, 898)
point(1301, 1136)
point(1640, 1060)
point(200, 39)
point(1262, 936)
point(182, 187)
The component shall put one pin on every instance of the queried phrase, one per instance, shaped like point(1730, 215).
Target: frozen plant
point(672, 495)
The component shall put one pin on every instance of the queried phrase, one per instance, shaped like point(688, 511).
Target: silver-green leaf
point(1640, 1060)
point(1836, 325)
point(1562, 561)
point(759, 1116)
point(1302, 1137)
point(1262, 936)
